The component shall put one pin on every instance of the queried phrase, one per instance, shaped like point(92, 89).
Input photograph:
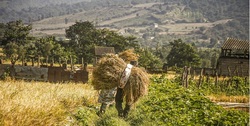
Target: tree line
point(19, 45)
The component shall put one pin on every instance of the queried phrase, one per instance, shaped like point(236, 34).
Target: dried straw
point(137, 85)
point(107, 72)
point(106, 75)
point(128, 55)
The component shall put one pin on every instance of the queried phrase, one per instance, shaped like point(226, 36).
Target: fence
point(45, 73)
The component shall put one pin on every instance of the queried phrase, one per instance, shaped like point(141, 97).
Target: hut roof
point(99, 50)
point(233, 43)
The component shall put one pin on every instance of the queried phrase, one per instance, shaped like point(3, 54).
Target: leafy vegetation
point(235, 86)
point(170, 104)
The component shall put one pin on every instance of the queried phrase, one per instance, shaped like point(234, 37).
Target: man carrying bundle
point(120, 95)
point(132, 82)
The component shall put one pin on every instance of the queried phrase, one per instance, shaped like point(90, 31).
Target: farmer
point(106, 98)
point(119, 94)
point(131, 82)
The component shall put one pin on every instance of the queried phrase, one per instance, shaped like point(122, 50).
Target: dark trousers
point(118, 103)
point(103, 107)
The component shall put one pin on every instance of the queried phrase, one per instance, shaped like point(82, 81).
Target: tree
point(15, 40)
point(2, 30)
point(11, 51)
point(84, 37)
point(148, 60)
point(182, 54)
point(17, 32)
point(106, 37)
point(49, 49)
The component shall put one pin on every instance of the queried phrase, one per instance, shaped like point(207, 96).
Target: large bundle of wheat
point(128, 55)
point(137, 85)
point(107, 73)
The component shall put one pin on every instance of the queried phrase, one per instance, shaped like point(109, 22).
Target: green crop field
point(168, 103)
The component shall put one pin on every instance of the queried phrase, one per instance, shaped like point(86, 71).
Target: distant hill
point(207, 22)
point(31, 10)
point(18, 5)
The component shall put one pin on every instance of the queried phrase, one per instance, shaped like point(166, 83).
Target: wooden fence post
point(241, 70)
point(207, 78)
point(236, 71)
point(246, 81)
point(47, 60)
point(216, 79)
point(38, 62)
point(188, 72)
point(200, 79)
point(183, 76)
point(82, 62)
point(230, 77)
point(60, 62)
point(185, 73)
point(71, 62)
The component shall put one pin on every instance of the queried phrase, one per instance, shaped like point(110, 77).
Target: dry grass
point(128, 55)
point(224, 98)
point(41, 103)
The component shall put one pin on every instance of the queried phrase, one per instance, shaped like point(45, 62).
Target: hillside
point(194, 20)
point(32, 10)
point(24, 4)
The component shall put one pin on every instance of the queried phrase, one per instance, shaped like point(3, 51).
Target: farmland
point(43, 103)
point(157, 30)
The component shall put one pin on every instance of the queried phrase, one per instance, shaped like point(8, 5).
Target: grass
point(41, 103)
point(225, 98)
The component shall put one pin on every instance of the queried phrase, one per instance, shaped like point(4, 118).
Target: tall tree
point(15, 39)
point(84, 37)
point(17, 32)
point(182, 54)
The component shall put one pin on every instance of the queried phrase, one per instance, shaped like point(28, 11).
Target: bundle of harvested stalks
point(128, 55)
point(137, 85)
point(107, 73)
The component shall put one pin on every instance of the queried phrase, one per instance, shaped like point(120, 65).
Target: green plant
point(5, 74)
point(170, 104)
point(85, 116)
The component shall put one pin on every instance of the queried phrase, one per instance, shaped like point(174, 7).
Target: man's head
point(134, 63)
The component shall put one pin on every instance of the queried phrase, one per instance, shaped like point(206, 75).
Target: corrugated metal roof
point(232, 43)
point(99, 50)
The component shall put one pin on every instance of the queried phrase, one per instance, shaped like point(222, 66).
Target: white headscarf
point(125, 75)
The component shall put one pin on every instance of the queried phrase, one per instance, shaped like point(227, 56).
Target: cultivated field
point(41, 103)
point(118, 18)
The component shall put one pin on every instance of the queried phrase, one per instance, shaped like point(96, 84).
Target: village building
point(100, 51)
point(234, 58)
